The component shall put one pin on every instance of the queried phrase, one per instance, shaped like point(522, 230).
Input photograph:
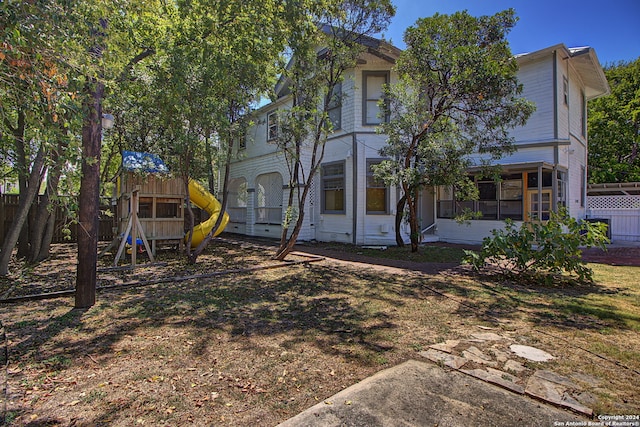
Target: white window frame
point(325, 178)
point(272, 126)
point(365, 100)
point(371, 177)
point(334, 109)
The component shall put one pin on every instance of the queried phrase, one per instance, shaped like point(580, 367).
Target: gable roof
point(584, 61)
point(374, 46)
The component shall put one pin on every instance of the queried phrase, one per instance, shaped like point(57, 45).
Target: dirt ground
point(175, 344)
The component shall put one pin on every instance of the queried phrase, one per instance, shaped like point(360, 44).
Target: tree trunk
point(399, 215)
point(89, 199)
point(285, 249)
point(40, 234)
point(184, 166)
point(48, 236)
point(413, 218)
point(285, 227)
point(210, 172)
point(225, 196)
point(36, 231)
point(37, 172)
point(23, 179)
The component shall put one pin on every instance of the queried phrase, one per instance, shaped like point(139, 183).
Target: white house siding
point(372, 229)
point(576, 193)
point(541, 153)
point(373, 64)
point(552, 136)
point(577, 150)
point(471, 232)
point(537, 80)
point(331, 226)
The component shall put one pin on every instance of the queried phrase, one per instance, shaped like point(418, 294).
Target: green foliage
point(614, 127)
point(541, 251)
point(324, 40)
point(457, 94)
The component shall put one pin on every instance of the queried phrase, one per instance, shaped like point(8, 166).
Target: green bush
point(541, 251)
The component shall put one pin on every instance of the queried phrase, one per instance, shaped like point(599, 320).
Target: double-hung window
point(333, 179)
point(334, 110)
point(373, 83)
point(583, 115)
point(272, 126)
point(377, 192)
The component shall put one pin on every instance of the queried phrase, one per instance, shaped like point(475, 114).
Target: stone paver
point(487, 336)
point(448, 346)
point(531, 353)
point(555, 378)
point(496, 378)
point(499, 351)
point(476, 355)
point(500, 356)
point(450, 360)
point(552, 392)
point(512, 365)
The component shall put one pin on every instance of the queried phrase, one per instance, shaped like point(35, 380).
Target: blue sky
point(611, 27)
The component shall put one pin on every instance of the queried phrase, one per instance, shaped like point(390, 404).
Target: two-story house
point(347, 204)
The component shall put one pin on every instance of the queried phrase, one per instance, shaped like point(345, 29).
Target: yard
point(256, 347)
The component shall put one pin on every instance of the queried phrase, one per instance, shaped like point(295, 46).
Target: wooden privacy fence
point(9, 207)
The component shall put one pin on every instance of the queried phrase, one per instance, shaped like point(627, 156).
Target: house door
point(426, 208)
point(539, 204)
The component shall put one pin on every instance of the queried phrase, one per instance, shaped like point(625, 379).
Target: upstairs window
point(565, 90)
point(584, 115)
point(272, 126)
point(373, 82)
point(334, 109)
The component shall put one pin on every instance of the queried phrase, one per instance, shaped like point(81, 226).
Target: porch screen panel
point(487, 201)
point(511, 197)
point(269, 199)
point(238, 194)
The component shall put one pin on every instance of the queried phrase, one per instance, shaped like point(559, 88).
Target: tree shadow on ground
point(570, 306)
point(339, 310)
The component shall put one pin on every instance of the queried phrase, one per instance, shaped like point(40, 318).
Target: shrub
point(541, 250)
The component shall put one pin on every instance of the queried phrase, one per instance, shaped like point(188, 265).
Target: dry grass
point(256, 348)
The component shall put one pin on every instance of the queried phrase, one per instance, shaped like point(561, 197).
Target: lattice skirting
point(613, 202)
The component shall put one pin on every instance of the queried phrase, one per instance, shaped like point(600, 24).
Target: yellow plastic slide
point(205, 201)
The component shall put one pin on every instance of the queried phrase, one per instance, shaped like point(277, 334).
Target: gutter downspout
point(556, 154)
point(354, 172)
point(555, 94)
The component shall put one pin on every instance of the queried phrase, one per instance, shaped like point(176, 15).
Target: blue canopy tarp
point(143, 162)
